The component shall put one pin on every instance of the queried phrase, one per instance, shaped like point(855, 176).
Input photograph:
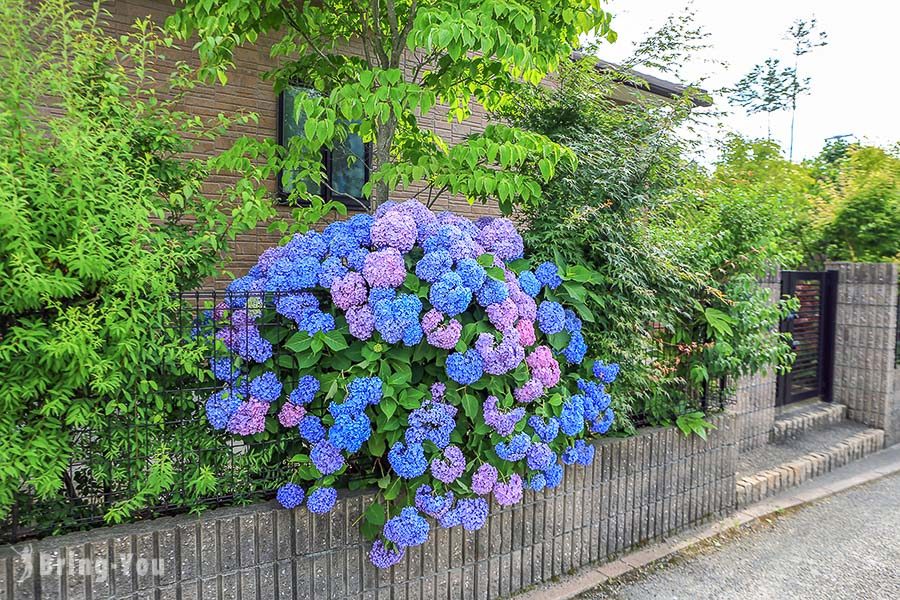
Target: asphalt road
point(844, 546)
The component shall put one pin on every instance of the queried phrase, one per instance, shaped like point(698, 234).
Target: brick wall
point(865, 337)
point(638, 489)
point(247, 92)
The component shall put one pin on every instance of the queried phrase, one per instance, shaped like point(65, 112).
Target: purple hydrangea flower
point(483, 479)
point(249, 418)
point(504, 423)
point(394, 230)
point(450, 466)
point(385, 268)
point(503, 315)
point(349, 290)
point(510, 492)
point(502, 358)
point(360, 321)
point(525, 329)
point(543, 366)
point(439, 334)
point(529, 391)
point(540, 456)
point(407, 529)
point(472, 512)
point(383, 557)
point(500, 238)
point(291, 414)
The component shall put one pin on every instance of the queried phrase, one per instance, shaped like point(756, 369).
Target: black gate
point(812, 328)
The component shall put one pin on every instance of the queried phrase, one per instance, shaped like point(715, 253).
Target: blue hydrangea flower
point(433, 421)
point(472, 513)
point(536, 482)
point(554, 475)
point(585, 453)
point(412, 335)
point(332, 268)
point(540, 456)
point(606, 373)
point(394, 317)
point(311, 429)
point(321, 500)
point(449, 295)
point(529, 283)
point(223, 369)
point(326, 457)
point(465, 368)
point(548, 274)
point(471, 273)
point(306, 390)
point(377, 294)
point(407, 460)
point(350, 431)
point(575, 349)
point(570, 455)
point(515, 449)
point(368, 389)
point(546, 430)
point(356, 260)
point(237, 290)
point(603, 425)
point(433, 264)
point(311, 243)
point(290, 495)
point(571, 419)
point(433, 505)
point(290, 274)
point(360, 227)
point(492, 292)
point(266, 387)
point(551, 317)
point(407, 529)
point(573, 323)
point(296, 307)
point(220, 407)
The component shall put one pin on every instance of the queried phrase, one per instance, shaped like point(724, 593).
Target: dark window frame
point(325, 192)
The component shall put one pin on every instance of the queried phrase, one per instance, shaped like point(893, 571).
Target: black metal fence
point(162, 457)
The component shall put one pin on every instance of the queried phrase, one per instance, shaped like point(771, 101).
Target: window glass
point(290, 128)
point(348, 167)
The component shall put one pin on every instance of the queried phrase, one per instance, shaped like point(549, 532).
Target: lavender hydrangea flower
point(504, 423)
point(503, 357)
point(291, 414)
point(439, 334)
point(321, 500)
point(349, 291)
point(543, 366)
point(527, 335)
point(500, 238)
point(383, 557)
point(290, 495)
point(509, 492)
point(529, 391)
point(394, 230)
point(503, 315)
point(540, 456)
point(360, 321)
point(385, 268)
point(249, 418)
point(483, 479)
point(450, 466)
point(407, 529)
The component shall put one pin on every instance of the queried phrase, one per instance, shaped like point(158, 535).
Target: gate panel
point(812, 328)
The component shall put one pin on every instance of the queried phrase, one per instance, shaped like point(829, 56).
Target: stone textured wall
point(865, 337)
point(755, 394)
point(637, 489)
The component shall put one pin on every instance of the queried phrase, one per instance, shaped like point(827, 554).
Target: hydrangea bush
point(417, 352)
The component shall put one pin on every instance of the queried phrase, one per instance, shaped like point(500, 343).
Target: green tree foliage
point(102, 220)
point(672, 297)
point(379, 67)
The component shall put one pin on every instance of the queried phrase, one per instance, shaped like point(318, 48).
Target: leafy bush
point(440, 368)
point(672, 293)
point(102, 220)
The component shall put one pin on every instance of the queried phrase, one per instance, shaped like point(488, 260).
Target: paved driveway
point(845, 546)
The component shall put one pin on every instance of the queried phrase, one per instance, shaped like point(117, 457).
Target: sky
point(855, 78)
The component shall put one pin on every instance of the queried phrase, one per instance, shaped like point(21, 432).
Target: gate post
point(865, 339)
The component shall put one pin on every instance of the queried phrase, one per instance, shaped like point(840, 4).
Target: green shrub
point(102, 220)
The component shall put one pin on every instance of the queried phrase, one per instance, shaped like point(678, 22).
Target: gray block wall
point(638, 489)
point(754, 404)
point(865, 337)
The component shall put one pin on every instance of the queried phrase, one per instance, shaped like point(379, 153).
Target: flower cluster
point(387, 308)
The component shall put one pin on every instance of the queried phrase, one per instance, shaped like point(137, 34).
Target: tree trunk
point(381, 155)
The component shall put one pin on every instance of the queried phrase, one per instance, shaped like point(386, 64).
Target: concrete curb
point(876, 466)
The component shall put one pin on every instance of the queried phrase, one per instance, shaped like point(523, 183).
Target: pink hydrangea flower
point(439, 334)
point(543, 366)
point(349, 290)
point(527, 336)
point(385, 268)
point(291, 414)
point(250, 417)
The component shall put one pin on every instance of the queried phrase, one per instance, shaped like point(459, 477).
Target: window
point(346, 166)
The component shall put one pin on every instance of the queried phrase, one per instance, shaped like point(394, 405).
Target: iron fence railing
point(162, 457)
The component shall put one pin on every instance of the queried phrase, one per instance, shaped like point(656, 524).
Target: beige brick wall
point(247, 92)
